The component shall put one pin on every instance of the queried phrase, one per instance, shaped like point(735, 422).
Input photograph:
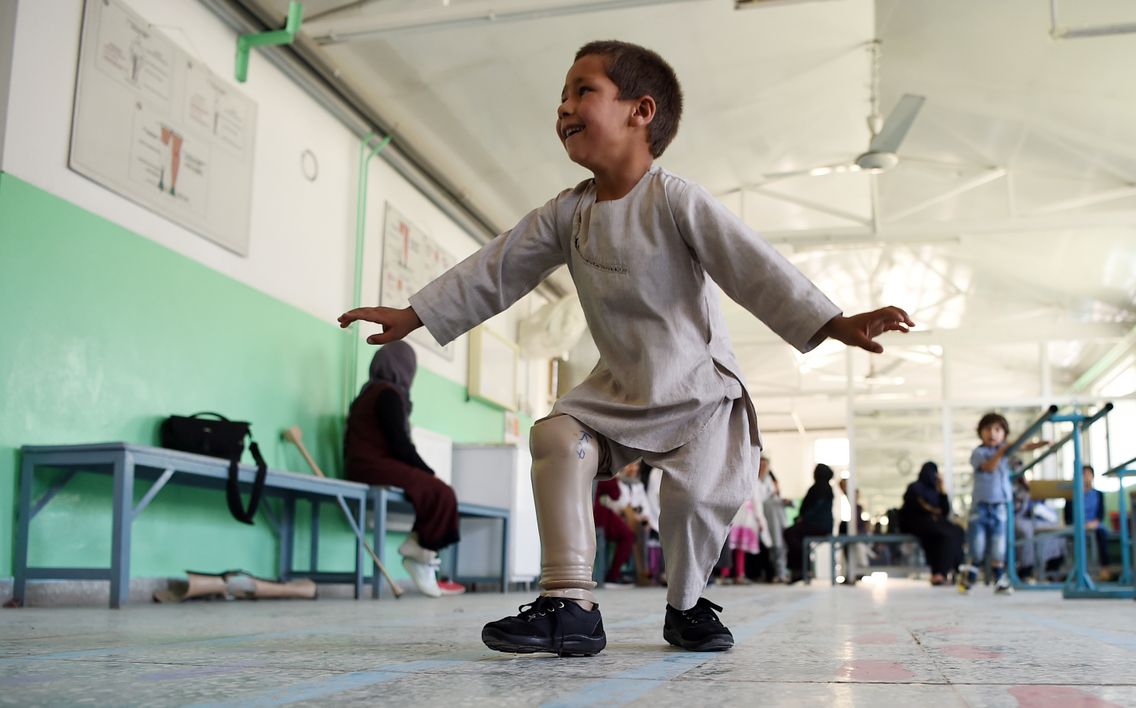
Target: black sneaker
point(551, 624)
point(697, 629)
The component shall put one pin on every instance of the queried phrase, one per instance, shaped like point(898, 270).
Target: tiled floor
point(898, 644)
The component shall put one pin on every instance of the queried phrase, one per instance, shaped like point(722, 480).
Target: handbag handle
point(232, 488)
point(218, 416)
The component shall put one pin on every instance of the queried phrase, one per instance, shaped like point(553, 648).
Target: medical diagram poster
point(411, 259)
point(155, 125)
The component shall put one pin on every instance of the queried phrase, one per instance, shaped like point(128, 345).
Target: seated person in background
point(653, 482)
point(615, 527)
point(1094, 516)
point(1031, 516)
point(378, 451)
point(634, 507)
point(814, 519)
point(926, 513)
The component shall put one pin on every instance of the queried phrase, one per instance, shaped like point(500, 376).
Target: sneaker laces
point(703, 611)
point(545, 606)
point(540, 607)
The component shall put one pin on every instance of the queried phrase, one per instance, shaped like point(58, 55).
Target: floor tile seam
point(955, 689)
point(932, 657)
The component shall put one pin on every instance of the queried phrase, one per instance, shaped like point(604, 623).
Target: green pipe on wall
point(246, 42)
point(366, 152)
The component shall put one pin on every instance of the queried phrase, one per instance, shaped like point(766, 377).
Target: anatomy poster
point(411, 259)
point(157, 126)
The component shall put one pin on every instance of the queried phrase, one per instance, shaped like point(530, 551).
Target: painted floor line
point(1125, 641)
point(328, 686)
point(632, 684)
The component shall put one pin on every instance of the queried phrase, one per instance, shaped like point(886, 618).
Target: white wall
point(300, 231)
point(7, 46)
point(302, 234)
point(791, 459)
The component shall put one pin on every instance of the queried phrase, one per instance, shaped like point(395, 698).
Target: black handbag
point(222, 438)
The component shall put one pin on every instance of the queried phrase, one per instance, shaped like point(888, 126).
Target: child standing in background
point(989, 500)
point(749, 533)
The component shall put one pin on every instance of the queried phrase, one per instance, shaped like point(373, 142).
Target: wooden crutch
point(293, 435)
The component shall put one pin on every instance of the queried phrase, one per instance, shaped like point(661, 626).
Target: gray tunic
point(643, 266)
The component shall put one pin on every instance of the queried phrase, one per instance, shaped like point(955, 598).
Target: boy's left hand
point(862, 329)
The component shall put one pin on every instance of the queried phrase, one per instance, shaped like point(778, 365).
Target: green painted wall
point(105, 333)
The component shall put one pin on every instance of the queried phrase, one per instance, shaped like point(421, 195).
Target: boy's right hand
point(396, 324)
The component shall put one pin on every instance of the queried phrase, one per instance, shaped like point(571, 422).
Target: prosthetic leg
point(566, 457)
point(565, 619)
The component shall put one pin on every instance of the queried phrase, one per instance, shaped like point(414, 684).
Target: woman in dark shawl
point(814, 519)
point(379, 451)
point(926, 514)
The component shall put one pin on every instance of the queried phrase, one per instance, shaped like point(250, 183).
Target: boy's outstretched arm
point(396, 323)
point(862, 329)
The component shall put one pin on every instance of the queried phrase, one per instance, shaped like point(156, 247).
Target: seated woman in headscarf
point(378, 450)
point(926, 515)
point(814, 519)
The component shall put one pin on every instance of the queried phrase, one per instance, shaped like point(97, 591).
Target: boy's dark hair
point(637, 71)
point(1089, 469)
point(993, 419)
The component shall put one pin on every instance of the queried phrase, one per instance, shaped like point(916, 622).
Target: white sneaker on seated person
point(424, 575)
point(410, 549)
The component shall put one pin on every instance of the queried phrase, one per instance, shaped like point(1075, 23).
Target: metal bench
point(380, 500)
point(838, 542)
point(128, 463)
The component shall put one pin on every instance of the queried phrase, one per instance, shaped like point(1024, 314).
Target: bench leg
point(805, 557)
point(120, 539)
point(287, 536)
point(379, 539)
point(505, 554)
point(315, 539)
point(361, 517)
point(23, 528)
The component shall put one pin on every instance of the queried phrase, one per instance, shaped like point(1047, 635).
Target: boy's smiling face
point(593, 124)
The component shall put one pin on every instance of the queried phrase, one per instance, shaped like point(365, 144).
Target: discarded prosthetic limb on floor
point(235, 585)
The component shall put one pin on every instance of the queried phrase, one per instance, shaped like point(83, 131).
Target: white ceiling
point(1026, 235)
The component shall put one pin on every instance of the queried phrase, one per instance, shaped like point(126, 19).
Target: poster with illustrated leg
point(155, 125)
point(411, 259)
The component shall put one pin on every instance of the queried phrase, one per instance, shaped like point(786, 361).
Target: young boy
point(989, 500)
point(642, 246)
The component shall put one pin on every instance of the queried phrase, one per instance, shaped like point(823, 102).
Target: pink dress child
point(748, 532)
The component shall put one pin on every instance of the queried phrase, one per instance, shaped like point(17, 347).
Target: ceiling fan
point(886, 134)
